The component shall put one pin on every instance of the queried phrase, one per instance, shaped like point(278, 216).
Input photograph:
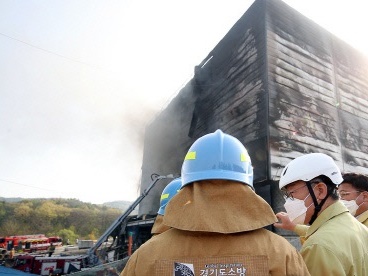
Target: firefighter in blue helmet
point(217, 221)
point(167, 194)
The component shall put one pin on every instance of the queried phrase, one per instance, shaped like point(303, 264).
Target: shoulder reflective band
point(190, 155)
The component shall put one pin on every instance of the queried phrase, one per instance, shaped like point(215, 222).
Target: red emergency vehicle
point(58, 265)
point(29, 243)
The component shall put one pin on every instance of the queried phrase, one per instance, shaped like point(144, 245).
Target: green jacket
point(51, 248)
point(336, 244)
point(363, 218)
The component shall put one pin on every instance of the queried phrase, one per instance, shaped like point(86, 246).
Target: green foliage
point(67, 218)
point(94, 234)
point(67, 235)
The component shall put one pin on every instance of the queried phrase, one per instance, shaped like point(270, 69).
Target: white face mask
point(351, 205)
point(296, 209)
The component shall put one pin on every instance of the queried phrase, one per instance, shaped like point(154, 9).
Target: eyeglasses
point(290, 194)
point(343, 194)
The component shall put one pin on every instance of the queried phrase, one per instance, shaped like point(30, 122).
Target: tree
point(67, 218)
point(67, 235)
point(94, 234)
point(23, 211)
point(10, 226)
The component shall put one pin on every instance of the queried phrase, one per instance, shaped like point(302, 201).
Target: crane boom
point(92, 251)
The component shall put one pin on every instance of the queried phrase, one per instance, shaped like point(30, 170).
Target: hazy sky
point(80, 79)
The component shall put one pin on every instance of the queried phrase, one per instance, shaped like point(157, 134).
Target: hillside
point(11, 199)
point(121, 205)
point(70, 219)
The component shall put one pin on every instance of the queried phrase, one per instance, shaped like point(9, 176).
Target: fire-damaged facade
point(283, 86)
point(278, 82)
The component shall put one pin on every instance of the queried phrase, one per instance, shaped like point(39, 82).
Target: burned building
point(283, 86)
point(278, 82)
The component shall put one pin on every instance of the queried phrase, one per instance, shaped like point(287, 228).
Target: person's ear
point(365, 196)
point(320, 190)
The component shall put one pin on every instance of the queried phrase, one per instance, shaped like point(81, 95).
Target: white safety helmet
point(309, 166)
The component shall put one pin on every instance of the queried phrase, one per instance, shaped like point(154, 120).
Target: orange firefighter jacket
point(217, 229)
point(159, 227)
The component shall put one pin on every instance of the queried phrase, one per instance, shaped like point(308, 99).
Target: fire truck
point(41, 265)
point(29, 243)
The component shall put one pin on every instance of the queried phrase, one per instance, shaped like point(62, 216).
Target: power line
point(48, 51)
point(27, 185)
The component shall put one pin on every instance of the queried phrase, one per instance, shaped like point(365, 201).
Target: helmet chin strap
point(317, 207)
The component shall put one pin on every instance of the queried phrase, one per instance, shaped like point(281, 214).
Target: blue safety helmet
point(167, 194)
point(217, 156)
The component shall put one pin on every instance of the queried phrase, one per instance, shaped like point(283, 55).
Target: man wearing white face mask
point(296, 209)
point(335, 242)
point(353, 192)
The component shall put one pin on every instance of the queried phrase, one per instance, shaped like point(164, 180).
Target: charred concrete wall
point(227, 92)
point(318, 91)
point(283, 86)
point(165, 145)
